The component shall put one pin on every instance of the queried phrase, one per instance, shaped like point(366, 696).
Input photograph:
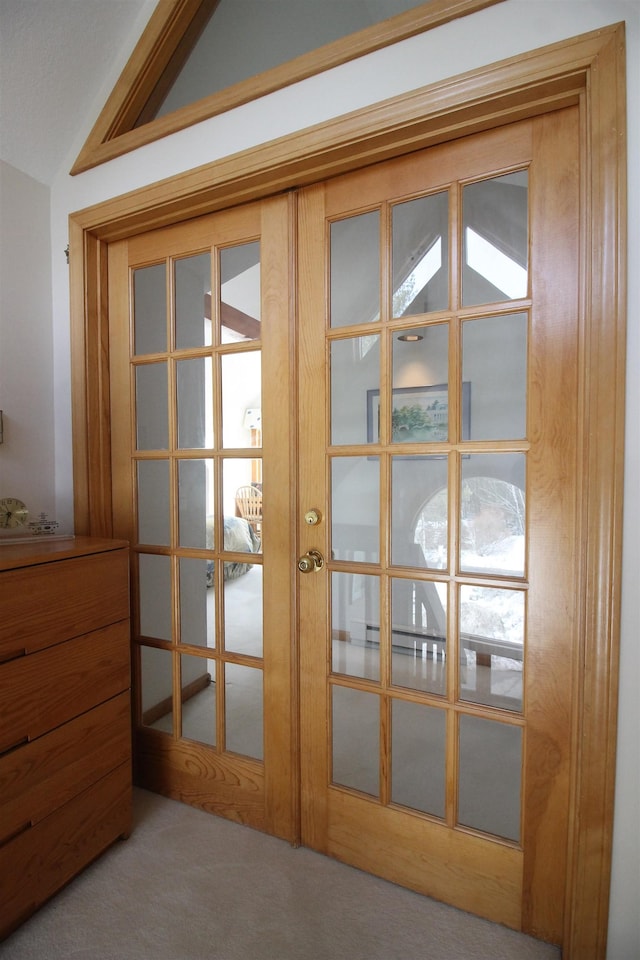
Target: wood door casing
point(518, 884)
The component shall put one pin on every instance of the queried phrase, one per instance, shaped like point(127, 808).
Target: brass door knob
point(311, 562)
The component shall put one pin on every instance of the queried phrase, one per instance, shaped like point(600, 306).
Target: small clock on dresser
point(13, 513)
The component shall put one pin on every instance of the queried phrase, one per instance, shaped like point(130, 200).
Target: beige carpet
point(190, 886)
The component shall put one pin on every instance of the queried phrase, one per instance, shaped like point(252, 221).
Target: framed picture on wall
point(418, 414)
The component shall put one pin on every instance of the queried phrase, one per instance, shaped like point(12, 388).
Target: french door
point(378, 659)
point(202, 461)
point(438, 325)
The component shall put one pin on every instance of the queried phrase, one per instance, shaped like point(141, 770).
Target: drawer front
point(44, 690)
point(51, 602)
point(43, 775)
point(38, 862)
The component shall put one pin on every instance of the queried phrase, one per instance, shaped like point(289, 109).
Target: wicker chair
point(249, 506)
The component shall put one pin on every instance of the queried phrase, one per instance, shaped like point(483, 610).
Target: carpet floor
point(190, 886)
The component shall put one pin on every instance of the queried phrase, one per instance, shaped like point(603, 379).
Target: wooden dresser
point(65, 729)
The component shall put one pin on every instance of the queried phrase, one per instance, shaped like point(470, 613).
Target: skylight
point(424, 270)
point(496, 267)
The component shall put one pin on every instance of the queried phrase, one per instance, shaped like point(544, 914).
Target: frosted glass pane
point(355, 377)
point(420, 255)
point(356, 739)
point(431, 527)
point(420, 401)
point(490, 759)
point(153, 502)
point(152, 407)
point(243, 608)
point(195, 403)
point(496, 239)
point(355, 270)
point(244, 710)
point(355, 625)
point(419, 634)
point(198, 681)
point(418, 757)
point(156, 685)
point(193, 301)
point(242, 497)
point(419, 512)
point(150, 309)
point(242, 399)
point(240, 293)
point(154, 584)
point(355, 515)
point(491, 646)
point(195, 503)
point(492, 522)
point(494, 360)
point(197, 602)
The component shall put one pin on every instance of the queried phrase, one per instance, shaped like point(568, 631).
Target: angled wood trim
point(587, 69)
point(186, 42)
point(152, 56)
point(126, 123)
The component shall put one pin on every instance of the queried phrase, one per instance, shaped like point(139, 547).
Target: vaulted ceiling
point(58, 62)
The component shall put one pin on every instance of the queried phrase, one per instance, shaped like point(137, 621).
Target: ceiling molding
point(126, 121)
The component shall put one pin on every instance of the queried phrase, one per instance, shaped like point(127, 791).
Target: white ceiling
point(58, 62)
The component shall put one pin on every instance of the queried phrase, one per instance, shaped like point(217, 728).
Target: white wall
point(26, 342)
point(504, 30)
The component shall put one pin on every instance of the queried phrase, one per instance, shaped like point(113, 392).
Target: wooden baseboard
point(163, 707)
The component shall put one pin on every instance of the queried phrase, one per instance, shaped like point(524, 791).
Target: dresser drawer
point(40, 860)
point(45, 604)
point(44, 690)
point(41, 776)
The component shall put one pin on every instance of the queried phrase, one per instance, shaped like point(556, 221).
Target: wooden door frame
point(588, 70)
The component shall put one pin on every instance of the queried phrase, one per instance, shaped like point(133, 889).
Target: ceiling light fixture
point(410, 337)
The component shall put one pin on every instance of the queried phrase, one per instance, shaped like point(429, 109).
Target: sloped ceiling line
point(126, 121)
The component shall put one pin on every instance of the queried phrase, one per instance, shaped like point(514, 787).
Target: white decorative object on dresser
point(65, 729)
